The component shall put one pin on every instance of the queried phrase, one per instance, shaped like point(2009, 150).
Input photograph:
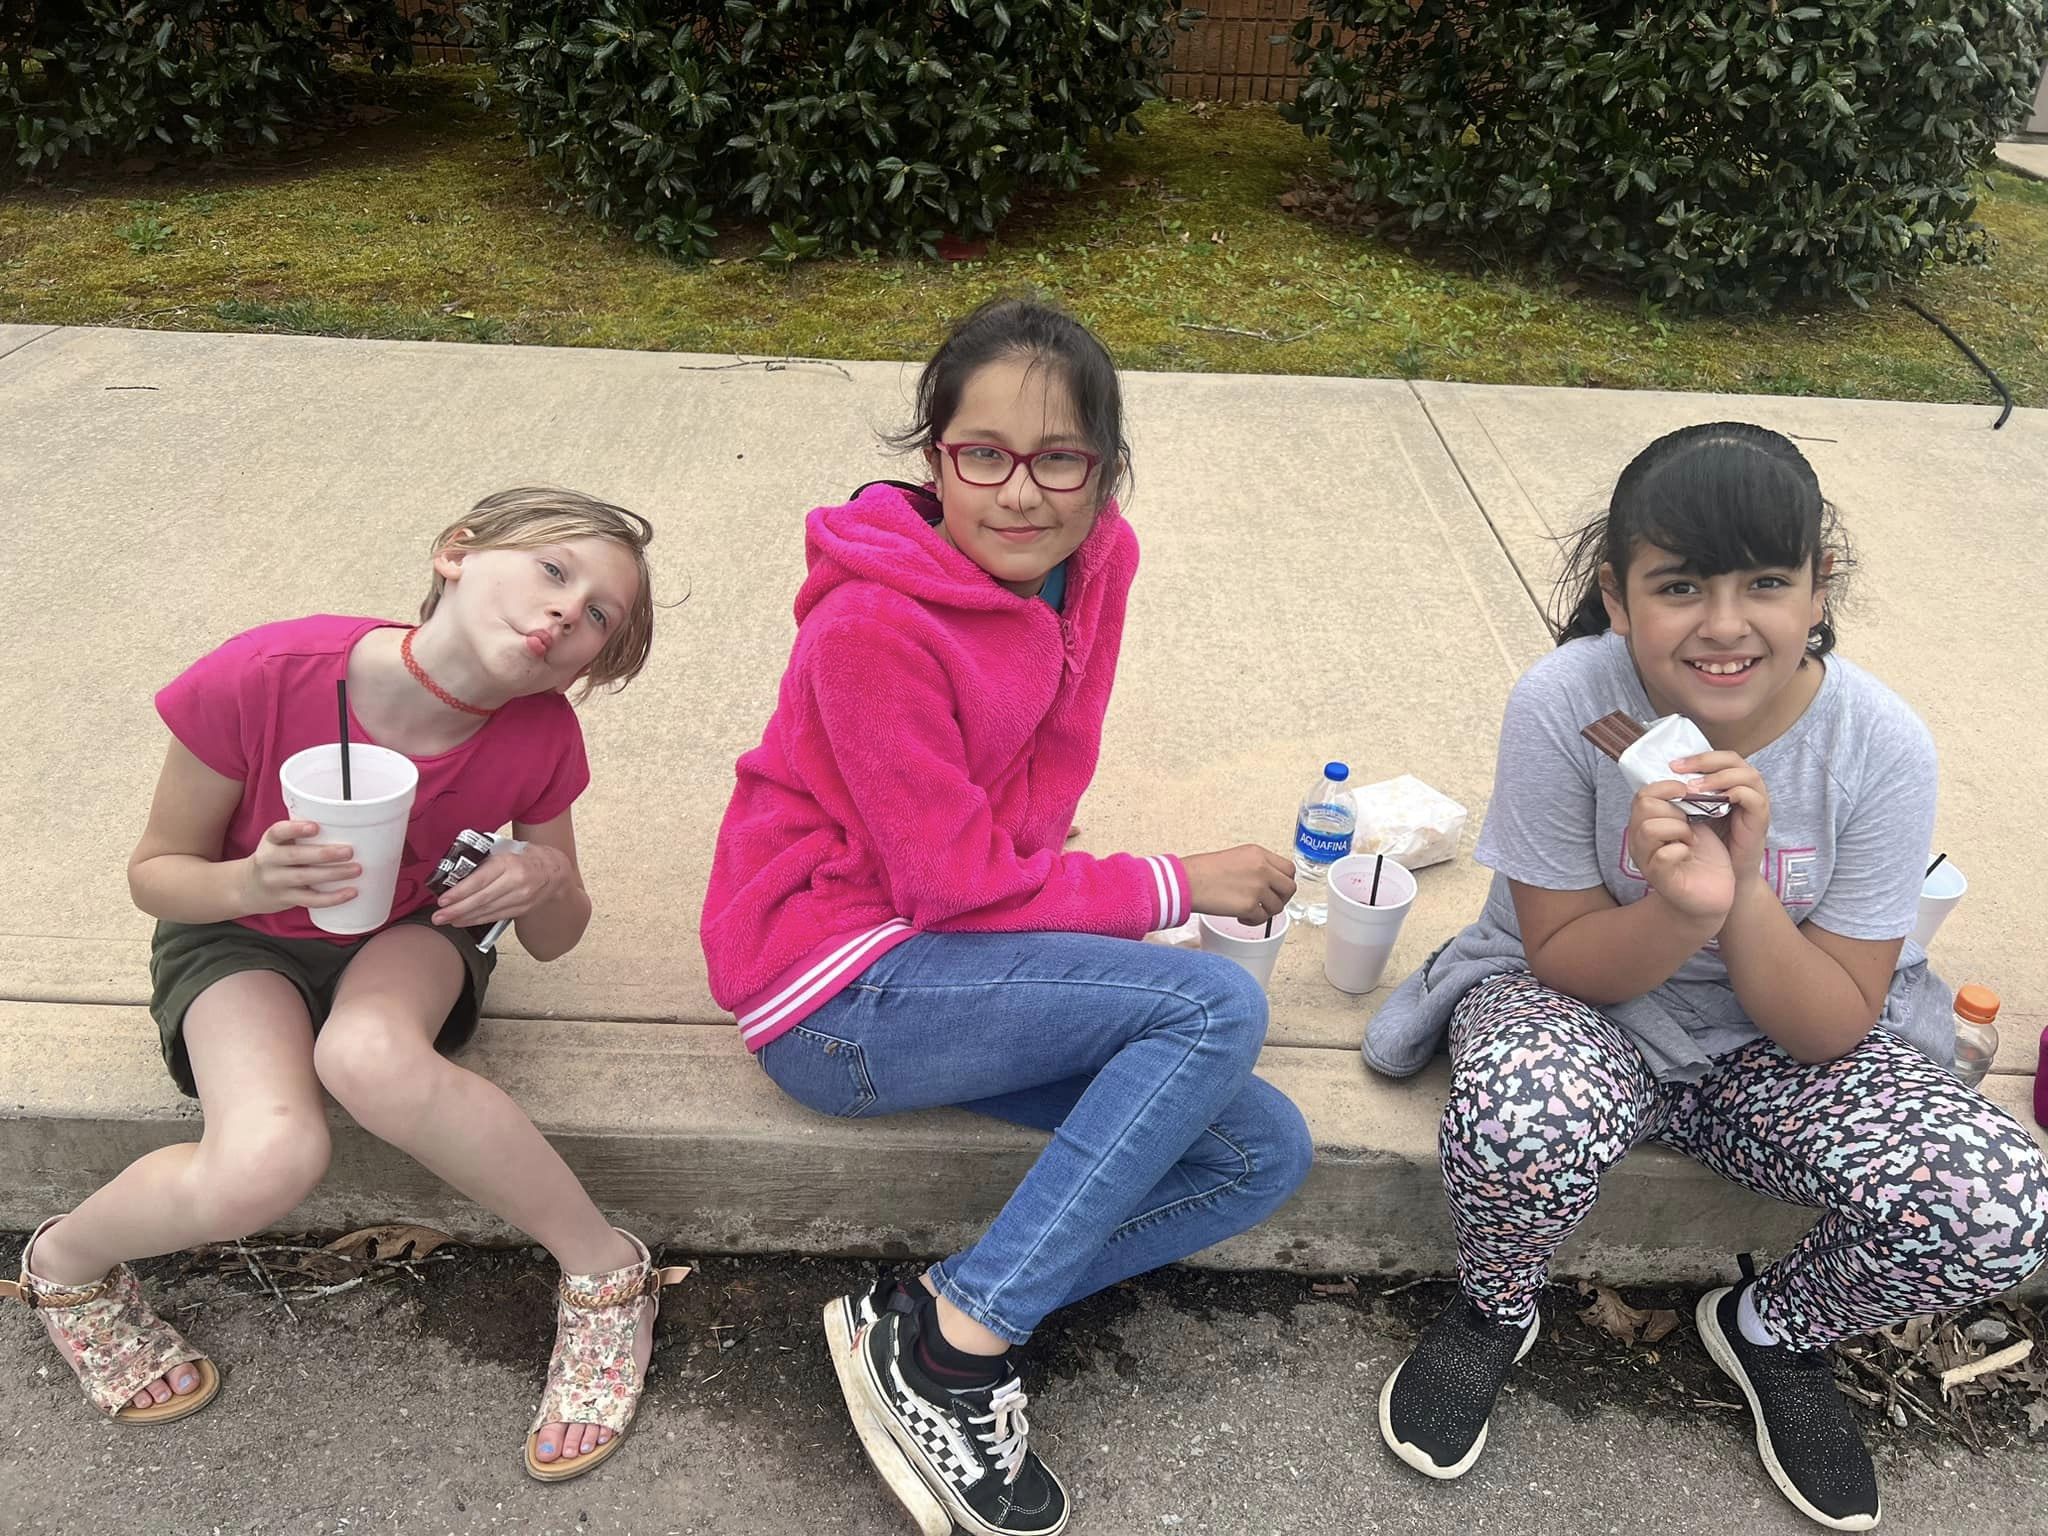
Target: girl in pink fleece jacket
point(894, 920)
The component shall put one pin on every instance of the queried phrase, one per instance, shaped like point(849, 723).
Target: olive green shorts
point(187, 958)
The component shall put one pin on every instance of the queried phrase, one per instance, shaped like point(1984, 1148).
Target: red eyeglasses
point(1051, 469)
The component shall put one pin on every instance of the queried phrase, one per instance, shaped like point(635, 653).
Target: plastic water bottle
point(1976, 1013)
point(1322, 836)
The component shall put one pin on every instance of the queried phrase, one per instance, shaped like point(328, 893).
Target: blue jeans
point(1137, 1057)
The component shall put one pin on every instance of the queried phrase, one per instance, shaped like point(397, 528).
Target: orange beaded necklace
point(420, 676)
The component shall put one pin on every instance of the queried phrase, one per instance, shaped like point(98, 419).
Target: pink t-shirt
point(246, 707)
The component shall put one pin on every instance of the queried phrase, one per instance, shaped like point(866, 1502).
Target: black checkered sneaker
point(845, 1319)
point(971, 1448)
point(1804, 1433)
point(889, 1293)
point(1434, 1408)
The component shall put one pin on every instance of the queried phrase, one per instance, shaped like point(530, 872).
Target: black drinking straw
point(1379, 862)
point(341, 701)
point(1269, 927)
point(1935, 865)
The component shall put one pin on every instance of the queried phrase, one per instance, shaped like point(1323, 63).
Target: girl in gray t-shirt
point(1740, 988)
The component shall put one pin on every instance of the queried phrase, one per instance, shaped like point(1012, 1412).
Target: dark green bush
point(92, 77)
point(844, 124)
point(1710, 153)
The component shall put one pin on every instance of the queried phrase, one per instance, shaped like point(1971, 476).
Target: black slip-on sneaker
point(1434, 1408)
point(1804, 1433)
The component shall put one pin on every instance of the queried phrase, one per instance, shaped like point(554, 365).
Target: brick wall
point(1229, 56)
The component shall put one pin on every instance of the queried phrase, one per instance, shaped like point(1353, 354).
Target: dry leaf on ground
point(1615, 1317)
point(399, 1240)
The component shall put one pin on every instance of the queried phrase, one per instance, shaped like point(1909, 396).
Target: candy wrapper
point(1645, 753)
point(464, 857)
point(1407, 820)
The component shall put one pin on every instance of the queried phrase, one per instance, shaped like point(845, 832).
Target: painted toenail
point(547, 1447)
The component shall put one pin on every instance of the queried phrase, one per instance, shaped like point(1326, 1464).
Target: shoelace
point(1008, 1430)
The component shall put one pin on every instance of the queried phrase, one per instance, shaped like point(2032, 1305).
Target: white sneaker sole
point(1418, 1458)
point(894, 1468)
point(1706, 1318)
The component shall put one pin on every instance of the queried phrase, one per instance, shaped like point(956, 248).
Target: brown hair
point(528, 517)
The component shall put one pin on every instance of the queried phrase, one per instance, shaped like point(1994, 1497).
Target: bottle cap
point(1336, 771)
point(1977, 1004)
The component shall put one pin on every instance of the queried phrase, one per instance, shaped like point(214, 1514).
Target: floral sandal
point(115, 1343)
point(591, 1376)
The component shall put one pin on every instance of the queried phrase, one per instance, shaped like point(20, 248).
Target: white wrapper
point(1405, 819)
point(1648, 760)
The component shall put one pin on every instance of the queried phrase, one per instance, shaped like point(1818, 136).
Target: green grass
point(433, 224)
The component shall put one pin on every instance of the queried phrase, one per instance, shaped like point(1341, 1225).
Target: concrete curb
point(709, 1157)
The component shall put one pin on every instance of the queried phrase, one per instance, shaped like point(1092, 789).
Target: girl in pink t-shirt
point(534, 593)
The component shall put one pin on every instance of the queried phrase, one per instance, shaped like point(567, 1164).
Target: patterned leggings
point(1932, 1197)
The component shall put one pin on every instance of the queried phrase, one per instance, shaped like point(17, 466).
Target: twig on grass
point(317, 1291)
point(1232, 330)
point(263, 1279)
point(767, 365)
point(2011, 1355)
point(1895, 1389)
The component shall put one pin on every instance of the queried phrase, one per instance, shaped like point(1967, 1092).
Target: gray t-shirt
point(1852, 786)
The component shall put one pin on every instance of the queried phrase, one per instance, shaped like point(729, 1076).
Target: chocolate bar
point(1614, 734)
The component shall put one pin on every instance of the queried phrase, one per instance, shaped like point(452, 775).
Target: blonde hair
point(530, 516)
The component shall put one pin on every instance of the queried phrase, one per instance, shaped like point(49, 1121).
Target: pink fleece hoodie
point(933, 735)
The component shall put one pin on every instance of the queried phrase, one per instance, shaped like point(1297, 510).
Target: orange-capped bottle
point(1976, 1011)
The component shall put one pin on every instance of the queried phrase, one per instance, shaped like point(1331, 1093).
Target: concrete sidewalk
point(167, 490)
point(2028, 157)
